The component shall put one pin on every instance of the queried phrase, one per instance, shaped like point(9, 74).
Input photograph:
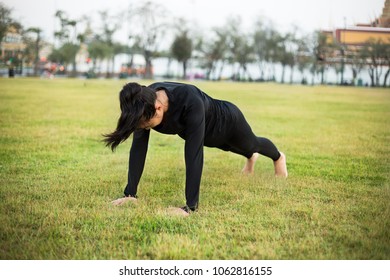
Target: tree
point(356, 61)
point(110, 25)
point(273, 51)
point(117, 48)
point(260, 35)
point(303, 57)
point(375, 54)
point(293, 46)
point(69, 42)
point(340, 59)
point(386, 55)
point(270, 47)
point(244, 53)
point(323, 51)
point(132, 48)
point(240, 48)
point(286, 49)
point(182, 47)
point(62, 35)
point(6, 21)
point(98, 51)
point(37, 47)
point(150, 28)
point(66, 55)
point(286, 58)
point(13, 58)
point(213, 51)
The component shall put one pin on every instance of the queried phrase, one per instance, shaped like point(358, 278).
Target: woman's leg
point(249, 167)
point(244, 142)
point(266, 148)
point(280, 166)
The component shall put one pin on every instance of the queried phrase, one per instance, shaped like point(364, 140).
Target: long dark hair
point(136, 103)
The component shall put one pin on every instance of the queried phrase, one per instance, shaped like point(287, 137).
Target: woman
point(183, 109)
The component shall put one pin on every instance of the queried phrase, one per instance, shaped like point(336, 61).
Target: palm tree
point(69, 45)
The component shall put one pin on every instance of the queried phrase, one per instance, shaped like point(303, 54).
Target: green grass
point(57, 179)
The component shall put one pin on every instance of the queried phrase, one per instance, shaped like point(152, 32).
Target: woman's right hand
point(123, 200)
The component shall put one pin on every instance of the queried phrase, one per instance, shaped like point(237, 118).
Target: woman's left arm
point(194, 135)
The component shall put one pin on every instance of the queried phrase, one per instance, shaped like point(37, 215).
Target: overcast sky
point(307, 14)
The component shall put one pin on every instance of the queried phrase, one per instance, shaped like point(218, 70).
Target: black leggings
point(241, 139)
point(259, 145)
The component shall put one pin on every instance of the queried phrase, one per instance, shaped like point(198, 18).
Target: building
point(344, 46)
point(355, 37)
point(12, 46)
point(384, 20)
point(360, 34)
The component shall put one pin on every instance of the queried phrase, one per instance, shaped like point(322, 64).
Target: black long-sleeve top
point(198, 119)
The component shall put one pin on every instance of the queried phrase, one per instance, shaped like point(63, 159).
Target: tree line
point(151, 35)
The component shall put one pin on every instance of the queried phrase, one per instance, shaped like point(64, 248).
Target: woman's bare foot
point(281, 166)
point(249, 167)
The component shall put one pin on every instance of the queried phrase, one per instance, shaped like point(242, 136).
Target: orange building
point(358, 36)
point(361, 33)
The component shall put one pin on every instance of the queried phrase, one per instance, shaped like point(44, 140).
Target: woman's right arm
point(137, 158)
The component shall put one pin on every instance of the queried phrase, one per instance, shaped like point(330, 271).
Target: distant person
point(11, 72)
point(183, 109)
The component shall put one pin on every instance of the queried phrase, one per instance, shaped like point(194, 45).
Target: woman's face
point(155, 121)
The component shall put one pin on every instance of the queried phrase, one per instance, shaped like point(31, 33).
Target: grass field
point(57, 179)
